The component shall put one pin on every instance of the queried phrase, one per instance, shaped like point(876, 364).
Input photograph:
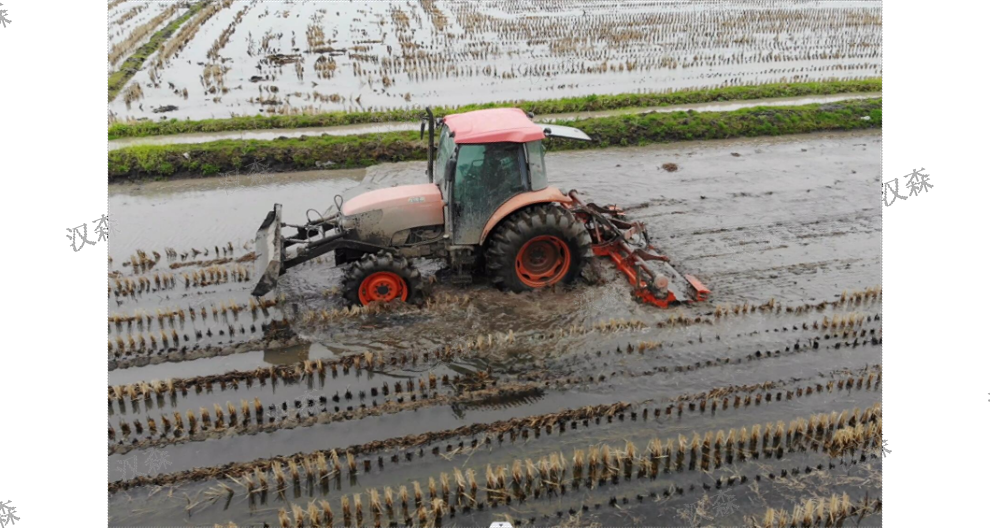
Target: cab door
point(447, 149)
point(486, 176)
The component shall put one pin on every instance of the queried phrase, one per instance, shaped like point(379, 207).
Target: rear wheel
point(382, 277)
point(538, 247)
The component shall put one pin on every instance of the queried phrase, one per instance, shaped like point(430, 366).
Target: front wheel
point(382, 277)
point(538, 247)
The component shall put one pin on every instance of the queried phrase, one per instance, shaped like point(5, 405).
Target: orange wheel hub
point(542, 261)
point(382, 286)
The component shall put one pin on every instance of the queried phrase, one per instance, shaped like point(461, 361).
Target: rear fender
point(520, 201)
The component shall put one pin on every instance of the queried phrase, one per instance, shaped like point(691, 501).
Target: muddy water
point(792, 218)
point(639, 500)
point(816, 176)
point(338, 392)
point(118, 30)
point(502, 50)
point(213, 365)
point(630, 376)
point(614, 433)
point(656, 387)
point(213, 211)
point(637, 431)
point(376, 128)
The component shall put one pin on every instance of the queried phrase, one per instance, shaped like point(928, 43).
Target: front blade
point(268, 244)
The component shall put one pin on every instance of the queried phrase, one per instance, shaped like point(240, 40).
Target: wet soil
point(792, 219)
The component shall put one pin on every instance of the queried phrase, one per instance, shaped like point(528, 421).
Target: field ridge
point(539, 107)
point(303, 153)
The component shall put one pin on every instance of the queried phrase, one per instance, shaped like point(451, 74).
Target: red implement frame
point(628, 246)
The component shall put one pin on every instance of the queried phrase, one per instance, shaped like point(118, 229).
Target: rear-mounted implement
point(627, 244)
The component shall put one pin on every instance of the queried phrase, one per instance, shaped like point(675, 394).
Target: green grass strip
point(551, 106)
point(303, 153)
point(130, 67)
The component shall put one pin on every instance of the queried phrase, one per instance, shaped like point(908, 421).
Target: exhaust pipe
point(428, 120)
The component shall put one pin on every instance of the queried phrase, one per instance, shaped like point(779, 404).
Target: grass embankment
point(119, 78)
point(303, 153)
point(552, 106)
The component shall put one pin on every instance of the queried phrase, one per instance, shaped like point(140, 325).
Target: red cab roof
point(492, 126)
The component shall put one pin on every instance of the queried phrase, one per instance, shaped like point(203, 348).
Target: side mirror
point(448, 170)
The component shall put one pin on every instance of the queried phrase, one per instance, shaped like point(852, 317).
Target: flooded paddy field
point(575, 406)
point(130, 24)
point(300, 57)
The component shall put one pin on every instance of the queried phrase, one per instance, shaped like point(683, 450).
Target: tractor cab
point(484, 160)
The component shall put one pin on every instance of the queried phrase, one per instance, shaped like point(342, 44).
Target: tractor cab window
point(537, 169)
point(487, 175)
point(444, 151)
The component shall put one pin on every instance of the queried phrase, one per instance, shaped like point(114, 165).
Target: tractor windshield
point(487, 175)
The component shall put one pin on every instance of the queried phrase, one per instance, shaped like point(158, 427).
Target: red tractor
point(487, 209)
